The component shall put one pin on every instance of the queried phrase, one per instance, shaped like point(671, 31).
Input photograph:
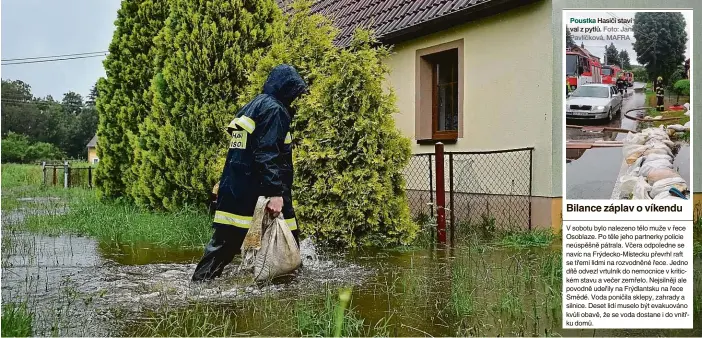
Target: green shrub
point(682, 87)
point(17, 148)
point(348, 157)
point(348, 180)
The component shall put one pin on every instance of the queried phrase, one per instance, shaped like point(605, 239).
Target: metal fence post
point(431, 188)
point(65, 174)
point(531, 178)
point(90, 177)
point(440, 194)
point(43, 172)
point(451, 198)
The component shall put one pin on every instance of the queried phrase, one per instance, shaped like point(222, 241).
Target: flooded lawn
point(78, 286)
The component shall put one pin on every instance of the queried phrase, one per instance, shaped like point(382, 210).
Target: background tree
point(659, 44)
point(64, 125)
point(612, 55)
point(640, 73)
point(206, 49)
point(18, 113)
point(18, 148)
point(92, 96)
point(569, 39)
point(121, 103)
point(72, 103)
point(624, 59)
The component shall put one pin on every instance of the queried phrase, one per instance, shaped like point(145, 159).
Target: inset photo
point(627, 104)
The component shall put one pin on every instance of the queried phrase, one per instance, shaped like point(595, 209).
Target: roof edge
point(479, 11)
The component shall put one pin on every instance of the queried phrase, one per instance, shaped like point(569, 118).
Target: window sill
point(435, 141)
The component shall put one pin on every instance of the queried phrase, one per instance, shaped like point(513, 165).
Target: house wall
point(92, 153)
point(507, 97)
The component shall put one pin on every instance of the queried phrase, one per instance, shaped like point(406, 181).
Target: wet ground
point(592, 173)
point(77, 286)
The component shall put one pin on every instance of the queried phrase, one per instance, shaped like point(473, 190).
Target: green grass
point(526, 239)
point(319, 319)
point(123, 223)
point(108, 221)
point(193, 321)
point(16, 320)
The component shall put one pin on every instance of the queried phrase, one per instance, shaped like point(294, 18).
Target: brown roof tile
point(387, 17)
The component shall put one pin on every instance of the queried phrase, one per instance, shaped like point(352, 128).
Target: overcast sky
point(598, 47)
point(33, 28)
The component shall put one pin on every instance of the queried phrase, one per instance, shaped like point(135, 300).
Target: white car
point(594, 102)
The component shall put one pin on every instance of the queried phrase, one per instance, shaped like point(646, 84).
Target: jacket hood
point(285, 84)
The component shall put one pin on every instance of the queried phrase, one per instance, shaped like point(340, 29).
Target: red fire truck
point(581, 68)
point(610, 74)
point(629, 76)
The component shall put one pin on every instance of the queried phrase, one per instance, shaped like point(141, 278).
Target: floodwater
point(78, 286)
point(593, 175)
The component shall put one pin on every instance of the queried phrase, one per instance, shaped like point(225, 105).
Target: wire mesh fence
point(481, 187)
point(66, 176)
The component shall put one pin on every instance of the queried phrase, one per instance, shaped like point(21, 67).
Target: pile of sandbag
point(650, 173)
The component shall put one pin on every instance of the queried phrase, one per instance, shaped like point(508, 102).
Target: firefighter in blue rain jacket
point(259, 163)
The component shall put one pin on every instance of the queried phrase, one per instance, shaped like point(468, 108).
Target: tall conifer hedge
point(121, 105)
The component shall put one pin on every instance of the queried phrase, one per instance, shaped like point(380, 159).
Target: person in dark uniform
point(658, 83)
point(621, 84)
point(259, 163)
point(659, 98)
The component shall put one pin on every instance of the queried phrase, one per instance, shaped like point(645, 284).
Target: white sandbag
point(648, 166)
point(687, 106)
point(642, 189)
point(667, 196)
point(678, 127)
point(632, 138)
point(654, 133)
point(660, 143)
point(688, 113)
point(665, 184)
point(635, 167)
point(653, 157)
point(633, 152)
point(269, 246)
point(658, 148)
point(687, 125)
point(656, 175)
point(627, 184)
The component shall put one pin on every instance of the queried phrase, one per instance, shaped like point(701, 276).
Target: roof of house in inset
point(93, 142)
point(398, 20)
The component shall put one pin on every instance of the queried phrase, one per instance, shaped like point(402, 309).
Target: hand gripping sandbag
point(269, 246)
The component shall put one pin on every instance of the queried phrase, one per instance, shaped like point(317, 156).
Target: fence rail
point(63, 174)
point(478, 185)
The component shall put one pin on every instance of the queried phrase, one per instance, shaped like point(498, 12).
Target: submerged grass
point(198, 320)
point(16, 320)
point(524, 239)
